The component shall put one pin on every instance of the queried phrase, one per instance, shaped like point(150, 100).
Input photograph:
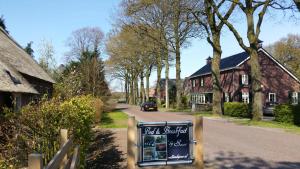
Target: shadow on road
point(102, 153)
point(224, 160)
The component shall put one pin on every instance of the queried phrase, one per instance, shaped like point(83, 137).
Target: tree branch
point(230, 26)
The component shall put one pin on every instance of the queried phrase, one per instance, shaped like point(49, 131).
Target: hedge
point(287, 113)
point(236, 109)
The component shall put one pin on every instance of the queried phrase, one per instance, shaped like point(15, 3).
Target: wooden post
point(198, 131)
point(35, 161)
point(131, 141)
point(63, 140)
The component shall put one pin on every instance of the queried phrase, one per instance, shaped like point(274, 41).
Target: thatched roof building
point(20, 74)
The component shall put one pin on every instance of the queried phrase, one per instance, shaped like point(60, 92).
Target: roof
point(225, 64)
point(11, 53)
point(13, 81)
point(235, 61)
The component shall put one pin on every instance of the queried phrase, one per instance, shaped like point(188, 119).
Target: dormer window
point(245, 79)
point(202, 82)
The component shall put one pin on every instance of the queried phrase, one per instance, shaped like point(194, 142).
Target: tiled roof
point(226, 63)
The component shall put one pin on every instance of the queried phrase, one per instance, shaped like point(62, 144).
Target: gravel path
point(227, 145)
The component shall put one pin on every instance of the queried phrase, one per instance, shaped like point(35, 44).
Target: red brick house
point(279, 85)
point(22, 80)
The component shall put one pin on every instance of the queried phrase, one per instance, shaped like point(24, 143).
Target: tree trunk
point(148, 73)
point(177, 53)
point(178, 78)
point(136, 93)
point(126, 88)
point(256, 103)
point(158, 91)
point(256, 90)
point(167, 99)
point(131, 99)
point(215, 67)
point(142, 89)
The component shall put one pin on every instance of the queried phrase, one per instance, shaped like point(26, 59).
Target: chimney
point(208, 60)
point(259, 43)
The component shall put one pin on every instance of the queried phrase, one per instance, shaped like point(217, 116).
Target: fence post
point(131, 141)
point(198, 130)
point(63, 140)
point(35, 161)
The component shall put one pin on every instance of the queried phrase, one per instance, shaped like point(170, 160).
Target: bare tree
point(250, 8)
point(46, 55)
point(84, 40)
point(85, 72)
point(183, 28)
point(213, 26)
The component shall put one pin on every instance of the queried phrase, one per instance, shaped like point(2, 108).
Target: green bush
point(41, 123)
point(78, 117)
point(236, 109)
point(286, 113)
point(297, 115)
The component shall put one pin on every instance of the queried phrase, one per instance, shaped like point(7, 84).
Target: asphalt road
point(228, 145)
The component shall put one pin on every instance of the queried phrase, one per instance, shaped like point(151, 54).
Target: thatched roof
point(12, 81)
point(11, 53)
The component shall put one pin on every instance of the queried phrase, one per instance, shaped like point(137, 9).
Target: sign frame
point(140, 143)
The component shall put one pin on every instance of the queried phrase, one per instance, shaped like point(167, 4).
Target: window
point(194, 83)
point(198, 98)
point(202, 82)
point(226, 97)
point(202, 98)
point(272, 97)
point(245, 97)
point(295, 98)
point(245, 79)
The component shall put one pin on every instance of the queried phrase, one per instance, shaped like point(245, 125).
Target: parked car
point(147, 106)
point(269, 108)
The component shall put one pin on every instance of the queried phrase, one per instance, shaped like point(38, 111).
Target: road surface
point(228, 145)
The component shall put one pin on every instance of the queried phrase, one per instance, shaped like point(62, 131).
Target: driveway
point(228, 145)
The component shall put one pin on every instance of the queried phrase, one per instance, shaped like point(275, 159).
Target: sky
point(55, 20)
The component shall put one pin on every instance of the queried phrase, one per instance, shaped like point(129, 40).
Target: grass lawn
point(267, 124)
point(114, 119)
point(189, 111)
point(240, 121)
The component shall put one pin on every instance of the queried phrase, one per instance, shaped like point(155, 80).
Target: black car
point(147, 106)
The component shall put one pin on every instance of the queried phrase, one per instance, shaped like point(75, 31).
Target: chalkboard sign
point(164, 143)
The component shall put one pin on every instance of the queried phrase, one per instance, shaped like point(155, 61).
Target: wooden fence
point(62, 159)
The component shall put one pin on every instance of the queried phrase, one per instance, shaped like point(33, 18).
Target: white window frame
point(194, 83)
point(226, 97)
point(202, 99)
point(274, 97)
point(245, 97)
point(202, 81)
point(295, 98)
point(245, 79)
